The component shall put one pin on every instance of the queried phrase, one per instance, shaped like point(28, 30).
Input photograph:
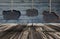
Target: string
point(50, 6)
point(11, 5)
point(32, 4)
point(32, 8)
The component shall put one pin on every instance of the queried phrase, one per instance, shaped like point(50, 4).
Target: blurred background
point(23, 5)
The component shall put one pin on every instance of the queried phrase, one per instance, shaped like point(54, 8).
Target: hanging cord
point(32, 4)
point(11, 5)
point(32, 8)
point(50, 6)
